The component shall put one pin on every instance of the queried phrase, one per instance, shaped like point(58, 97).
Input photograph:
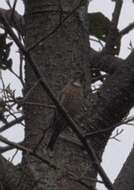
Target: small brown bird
point(71, 99)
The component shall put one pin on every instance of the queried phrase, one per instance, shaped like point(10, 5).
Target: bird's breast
point(72, 100)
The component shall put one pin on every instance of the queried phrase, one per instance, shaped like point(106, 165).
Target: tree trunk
point(58, 57)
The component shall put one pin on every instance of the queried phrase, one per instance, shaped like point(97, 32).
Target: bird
point(71, 99)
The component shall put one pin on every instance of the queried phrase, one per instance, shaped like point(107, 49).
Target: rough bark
point(58, 57)
point(13, 177)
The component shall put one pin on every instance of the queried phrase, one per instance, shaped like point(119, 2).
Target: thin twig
point(82, 180)
point(22, 102)
point(21, 64)
point(13, 10)
point(36, 104)
point(55, 29)
point(41, 139)
point(127, 29)
point(18, 77)
point(7, 148)
point(12, 158)
point(118, 132)
point(31, 90)
point(124, 122)
point(97, 41)
point(9, 4)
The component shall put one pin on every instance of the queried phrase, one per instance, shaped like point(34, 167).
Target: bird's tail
point(53, 139)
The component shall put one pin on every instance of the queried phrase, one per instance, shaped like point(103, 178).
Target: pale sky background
point(116, 152)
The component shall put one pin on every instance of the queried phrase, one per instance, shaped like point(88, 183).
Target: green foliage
point(5, 61)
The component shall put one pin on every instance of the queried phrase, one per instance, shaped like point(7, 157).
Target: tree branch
point(112, 36)
point(24, 149)
point(15, 19)
point(127, 29)
point(12, 123)
point(113, 101)
point(7, 148)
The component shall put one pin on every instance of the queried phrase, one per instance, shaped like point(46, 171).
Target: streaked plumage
point(71, 99)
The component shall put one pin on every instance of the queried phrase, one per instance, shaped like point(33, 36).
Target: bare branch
point(7, 148)
point(18, 22)
point(110, 42)
point(27, 150)
point(123, 122)
point(127, 29)
point(117, 133)
point(12, 123)
point(82, 180)
point(18, 77)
